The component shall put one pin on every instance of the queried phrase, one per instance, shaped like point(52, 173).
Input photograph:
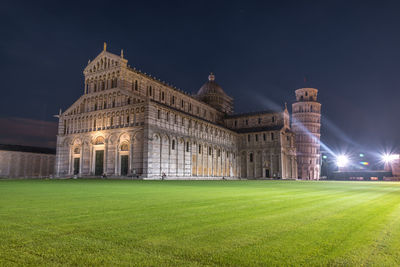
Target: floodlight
point(388, 158)
point(342, 161)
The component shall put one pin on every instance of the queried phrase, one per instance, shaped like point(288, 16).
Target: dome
point(213, 94)
point(211, 87)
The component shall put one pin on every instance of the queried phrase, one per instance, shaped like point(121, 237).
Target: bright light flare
point(342, 161)
point(388, 158)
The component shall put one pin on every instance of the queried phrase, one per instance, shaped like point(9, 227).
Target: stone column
point(131, 157)
point(71, 160)
point(255, 163)
point(271, 160)
point(81, 159)
point(91, 159)
point(247, 164)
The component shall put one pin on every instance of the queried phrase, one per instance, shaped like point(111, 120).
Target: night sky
point(259, 52)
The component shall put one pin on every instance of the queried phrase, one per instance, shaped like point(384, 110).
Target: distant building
point(128, 123)
point(26, 162)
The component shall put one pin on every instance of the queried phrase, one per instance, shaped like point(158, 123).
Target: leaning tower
point(306, 124)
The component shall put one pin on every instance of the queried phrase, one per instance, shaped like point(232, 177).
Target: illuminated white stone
point(167, 131)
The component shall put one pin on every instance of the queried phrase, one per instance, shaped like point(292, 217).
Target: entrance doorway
point(76, 165)
point(124, 165)
point(99, 161)
point(267, 173)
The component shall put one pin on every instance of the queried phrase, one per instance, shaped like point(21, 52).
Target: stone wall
point(15, 164)
point(268, 154)
point(180, 145)
point(267, 119)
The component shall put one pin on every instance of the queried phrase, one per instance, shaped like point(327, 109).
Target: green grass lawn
point(197, 223)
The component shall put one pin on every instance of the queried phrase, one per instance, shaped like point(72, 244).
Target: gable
point(103, 62)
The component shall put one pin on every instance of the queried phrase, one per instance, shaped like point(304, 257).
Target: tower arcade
point(306, 124)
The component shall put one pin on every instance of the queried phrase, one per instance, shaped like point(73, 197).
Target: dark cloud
point(30, 132)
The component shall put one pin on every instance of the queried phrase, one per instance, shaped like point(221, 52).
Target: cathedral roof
point(253, 113)
point(259, 129)
point(211, 88)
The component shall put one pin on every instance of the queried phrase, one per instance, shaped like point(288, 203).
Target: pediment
point(105, 61)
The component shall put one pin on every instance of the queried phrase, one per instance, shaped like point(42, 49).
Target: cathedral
point(130, 124)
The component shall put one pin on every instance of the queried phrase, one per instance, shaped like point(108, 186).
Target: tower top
point(306, 94)
point(211, 77)
point(104, 46)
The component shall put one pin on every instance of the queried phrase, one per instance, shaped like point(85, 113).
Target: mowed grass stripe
point(199, 223)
